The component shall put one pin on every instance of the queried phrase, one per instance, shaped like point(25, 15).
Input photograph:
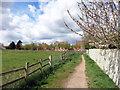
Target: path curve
point(78, 78)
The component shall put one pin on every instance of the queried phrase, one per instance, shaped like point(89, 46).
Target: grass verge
point(96, 77)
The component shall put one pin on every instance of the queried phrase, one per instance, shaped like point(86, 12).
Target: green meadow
point(13, 59)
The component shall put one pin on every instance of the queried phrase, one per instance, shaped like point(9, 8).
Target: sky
point(37, 21)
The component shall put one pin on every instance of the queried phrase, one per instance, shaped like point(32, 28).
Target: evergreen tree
point(12, 45)
point(19, 45)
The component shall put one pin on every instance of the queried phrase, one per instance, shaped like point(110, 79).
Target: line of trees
point(34, 46)
point(45, 46)
point(12, 45)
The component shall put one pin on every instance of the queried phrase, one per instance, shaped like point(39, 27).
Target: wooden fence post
point(41, 65)
point(26, 71)
point(50, 60)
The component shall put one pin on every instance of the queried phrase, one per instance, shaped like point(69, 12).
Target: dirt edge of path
point(78, 79)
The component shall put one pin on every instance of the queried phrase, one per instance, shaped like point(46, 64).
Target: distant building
point(80, 46)
point(43, 46)
point(61, 48)
point(52, 49)
point(79, 43)
point(57, 49)
point(2, 47)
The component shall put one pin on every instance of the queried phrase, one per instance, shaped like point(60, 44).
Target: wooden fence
point(27, 66)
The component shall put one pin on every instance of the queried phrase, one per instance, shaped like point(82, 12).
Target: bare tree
point(100, 20)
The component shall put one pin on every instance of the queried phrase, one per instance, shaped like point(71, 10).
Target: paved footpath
point(78, 78)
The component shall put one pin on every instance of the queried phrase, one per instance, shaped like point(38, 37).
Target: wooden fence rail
point(2, 74)
point(27, 66)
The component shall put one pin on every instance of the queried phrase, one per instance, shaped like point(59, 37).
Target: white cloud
point(18, 20)
point(48, 27)
point(32, 8)
point(6, 19)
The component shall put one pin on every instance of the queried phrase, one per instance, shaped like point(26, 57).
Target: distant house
point(44, 46)
point(80, 46)
point(57, 49)
point(61, 42)
point(74, 49)
point(2, 48)
point(79, 42)
point(61, 48)
point(51, 49)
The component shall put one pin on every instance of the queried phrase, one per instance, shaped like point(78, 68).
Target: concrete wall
point(109, 61)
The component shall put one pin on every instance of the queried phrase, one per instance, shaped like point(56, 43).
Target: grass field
point(13, 59)
point(96, 77)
